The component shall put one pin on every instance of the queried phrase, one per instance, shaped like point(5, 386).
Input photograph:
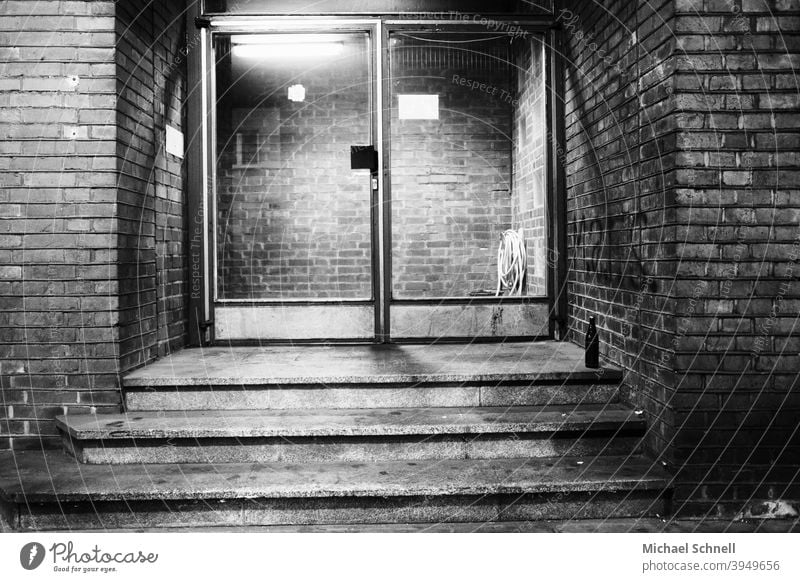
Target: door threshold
point(391, 341)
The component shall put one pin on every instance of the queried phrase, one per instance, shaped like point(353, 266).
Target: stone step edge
point(51, 476)
point(343, 423)
point(600, 377)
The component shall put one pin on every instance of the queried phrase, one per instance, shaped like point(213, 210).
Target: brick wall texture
point(682, 164)
point(530, 139)
point(65, 286)
point(150, 82)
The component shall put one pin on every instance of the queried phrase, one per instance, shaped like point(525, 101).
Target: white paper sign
point(418, 106)
point(174, 141)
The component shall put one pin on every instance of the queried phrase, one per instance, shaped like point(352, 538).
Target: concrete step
point(52, 491)
point(385, 363)
point(365, 395)
point(379, 376)
point(353, 435)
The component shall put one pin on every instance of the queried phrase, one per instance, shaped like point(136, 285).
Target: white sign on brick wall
point(418, 106)
point(174, 141)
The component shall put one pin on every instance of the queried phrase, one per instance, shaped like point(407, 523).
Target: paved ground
point(578, 526)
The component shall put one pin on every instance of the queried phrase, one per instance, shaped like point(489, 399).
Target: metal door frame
point(335, 308)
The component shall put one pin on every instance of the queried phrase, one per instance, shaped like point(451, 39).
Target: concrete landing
point(547, 361)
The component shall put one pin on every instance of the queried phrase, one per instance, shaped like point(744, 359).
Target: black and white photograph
point(305, 276)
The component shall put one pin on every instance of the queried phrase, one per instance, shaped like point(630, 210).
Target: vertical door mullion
point(386, 190)
point(377, 195)
point(200, 310)
point(556, 191)
point(211, 181)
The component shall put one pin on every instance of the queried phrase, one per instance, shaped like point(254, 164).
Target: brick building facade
point(682, 201)
point(682, 140)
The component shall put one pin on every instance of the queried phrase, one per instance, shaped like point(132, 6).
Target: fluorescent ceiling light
point(286, 46)
point(272, 39)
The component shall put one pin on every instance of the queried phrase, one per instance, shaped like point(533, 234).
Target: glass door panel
point(294, 223)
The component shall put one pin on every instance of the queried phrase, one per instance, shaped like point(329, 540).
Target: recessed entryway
point(376, 181)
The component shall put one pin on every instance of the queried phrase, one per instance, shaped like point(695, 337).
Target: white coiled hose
point(512, 263)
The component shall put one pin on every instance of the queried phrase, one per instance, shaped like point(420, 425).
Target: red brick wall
point(63, 278)
point(58, 233)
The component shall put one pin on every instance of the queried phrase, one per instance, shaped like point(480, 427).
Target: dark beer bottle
point(592, 346)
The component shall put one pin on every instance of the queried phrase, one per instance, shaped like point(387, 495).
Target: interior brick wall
point(67, 177)
point(682, 135)
point(451, 177)
point(58, 233)
point(294, 220)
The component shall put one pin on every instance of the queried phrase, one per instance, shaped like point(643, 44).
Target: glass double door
point(347, 207)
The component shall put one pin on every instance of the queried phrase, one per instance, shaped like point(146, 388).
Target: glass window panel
point(462, 179)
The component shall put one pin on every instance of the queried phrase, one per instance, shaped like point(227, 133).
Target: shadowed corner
point(9, 520)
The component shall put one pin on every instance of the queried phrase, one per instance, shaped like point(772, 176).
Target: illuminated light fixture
point(285, 46)
point(297, 93)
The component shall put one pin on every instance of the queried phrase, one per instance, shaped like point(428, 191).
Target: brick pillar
point(58, 173)
point(738, 302)
point(683, 203)
point(86, 248)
